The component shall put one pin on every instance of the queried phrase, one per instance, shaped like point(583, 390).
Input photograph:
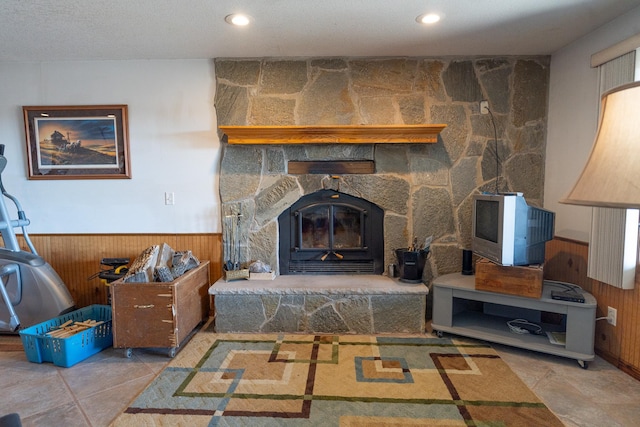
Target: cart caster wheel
point(172, 352)
point(128, 352)
point(583, 364)
point(439, 334)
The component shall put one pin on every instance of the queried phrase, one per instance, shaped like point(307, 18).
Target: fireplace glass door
point(331, 233)
point(330, 227)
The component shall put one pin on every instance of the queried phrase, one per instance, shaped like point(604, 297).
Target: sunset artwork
point(77, 141)
point(84, 142)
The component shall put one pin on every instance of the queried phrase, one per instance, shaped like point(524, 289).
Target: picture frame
point(77, 142)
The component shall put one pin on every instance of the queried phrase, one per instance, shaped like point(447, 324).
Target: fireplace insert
point(328, 232)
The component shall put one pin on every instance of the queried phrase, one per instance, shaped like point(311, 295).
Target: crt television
point(509, 232)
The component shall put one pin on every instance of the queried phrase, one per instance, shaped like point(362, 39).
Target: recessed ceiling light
point(428, 18)
point(238, 19)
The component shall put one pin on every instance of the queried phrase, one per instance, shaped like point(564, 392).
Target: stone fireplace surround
point(356, 304)
point(424, 189)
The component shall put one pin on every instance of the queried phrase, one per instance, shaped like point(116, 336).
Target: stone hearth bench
point(349, 304)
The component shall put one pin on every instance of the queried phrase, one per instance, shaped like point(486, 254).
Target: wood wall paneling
point(566, 260)
point(76, 257)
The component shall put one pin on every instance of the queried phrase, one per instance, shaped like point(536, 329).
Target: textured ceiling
point(48, 30)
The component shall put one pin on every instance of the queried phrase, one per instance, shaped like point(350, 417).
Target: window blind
point(613, 243)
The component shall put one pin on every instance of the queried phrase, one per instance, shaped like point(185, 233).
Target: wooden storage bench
point(159, 314)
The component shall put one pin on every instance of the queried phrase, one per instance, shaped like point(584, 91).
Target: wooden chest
point(524, 281)
point(159, 314)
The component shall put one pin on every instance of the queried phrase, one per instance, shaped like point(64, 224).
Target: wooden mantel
point(333, 134)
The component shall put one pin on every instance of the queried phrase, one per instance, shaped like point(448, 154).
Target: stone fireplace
point(422, 189)
point(275, 193)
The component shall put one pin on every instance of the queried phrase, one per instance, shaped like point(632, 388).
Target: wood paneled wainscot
point(566, 260)
point(76, 257)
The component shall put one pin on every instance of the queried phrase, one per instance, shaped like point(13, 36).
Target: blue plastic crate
point(66, 352)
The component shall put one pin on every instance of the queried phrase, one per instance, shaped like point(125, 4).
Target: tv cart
point(460, 309)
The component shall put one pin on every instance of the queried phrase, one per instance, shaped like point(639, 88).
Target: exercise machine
point(31, 291)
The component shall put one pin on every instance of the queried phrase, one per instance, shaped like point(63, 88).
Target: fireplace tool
point(231, 248)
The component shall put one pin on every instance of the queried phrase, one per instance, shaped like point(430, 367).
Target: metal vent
point(331, 267)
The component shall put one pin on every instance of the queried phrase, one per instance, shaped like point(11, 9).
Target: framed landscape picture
point(77, 142)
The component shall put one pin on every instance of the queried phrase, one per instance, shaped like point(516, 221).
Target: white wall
point(174, 144)
point(573, 116)
point(173, 140)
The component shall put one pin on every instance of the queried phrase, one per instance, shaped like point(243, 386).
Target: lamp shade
point(611, 177)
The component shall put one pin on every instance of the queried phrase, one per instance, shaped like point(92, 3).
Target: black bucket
point(411, 264)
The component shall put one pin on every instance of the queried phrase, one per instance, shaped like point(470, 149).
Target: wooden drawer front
point(144, 315)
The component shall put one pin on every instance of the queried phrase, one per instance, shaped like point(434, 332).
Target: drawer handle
point(144, 306)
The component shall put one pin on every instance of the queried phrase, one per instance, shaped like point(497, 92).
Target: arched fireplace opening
point(329, 232)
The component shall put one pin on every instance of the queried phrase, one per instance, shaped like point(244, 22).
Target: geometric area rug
point(335, 380)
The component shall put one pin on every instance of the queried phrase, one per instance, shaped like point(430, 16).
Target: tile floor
point(95, 391)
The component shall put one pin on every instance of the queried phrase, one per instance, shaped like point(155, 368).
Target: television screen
point(487, 215)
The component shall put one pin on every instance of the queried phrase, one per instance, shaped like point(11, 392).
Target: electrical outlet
point(169, 198)
point(612, 315)
point(484, 107)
